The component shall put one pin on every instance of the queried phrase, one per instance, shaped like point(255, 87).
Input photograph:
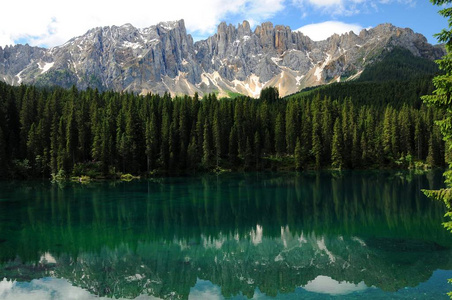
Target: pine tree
point(356, 150)
point(418, 139)
point(192, 154)
point(61, 157)
point(395, 136)
point(32, 143)
point(387, 133)
point(337, 151)
point(364, 148)
point(248, 157)
point(82, 121)
point(431, 152)
point(152, 145)
point(165, 138)
point(269, 94)
point(326, 132)
point(27, 117)
point(292, 125)
point(299, 161)
point(257, 149)
point(404, 124)
point(11, 131)
point(207, 147)
point(3, 157)
point(442, 98)
point(306, 134)
point(183, 132)
point(97, 139)
point(54, 145)
point(233, 146)
point(267, 150)
point(316, 141)
point(71, 138)
point(279, 135)
point(106, 146)
point(217, 136)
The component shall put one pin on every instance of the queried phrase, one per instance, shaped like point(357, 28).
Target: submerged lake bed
point(310, 235)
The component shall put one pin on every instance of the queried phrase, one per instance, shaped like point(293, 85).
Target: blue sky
point(50, 23)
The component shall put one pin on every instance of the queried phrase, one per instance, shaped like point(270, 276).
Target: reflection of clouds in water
point(5, 286)
point(205, 290)
point(327, 285)
point(46, 289)
point(55, 288)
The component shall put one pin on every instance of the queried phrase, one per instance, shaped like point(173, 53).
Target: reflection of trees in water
point(352, 204)
point(158, 236)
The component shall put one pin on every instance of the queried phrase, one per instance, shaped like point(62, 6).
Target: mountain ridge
point(164, 58)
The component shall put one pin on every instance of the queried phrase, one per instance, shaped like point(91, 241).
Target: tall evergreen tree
point(3, 157)
point(442, 98)
point(387, 133)
point(152, 145)
point(299, 159)
point(233, 146)
point(192, 154)
point(207, 147)
point(337, 151)
point(292, 125)
point(279, 135)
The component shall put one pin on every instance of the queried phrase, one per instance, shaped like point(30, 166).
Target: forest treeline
point(45, 131)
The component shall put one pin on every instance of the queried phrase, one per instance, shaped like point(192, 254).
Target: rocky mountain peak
point(173, 25)
point(244, 29)
point(163, 58)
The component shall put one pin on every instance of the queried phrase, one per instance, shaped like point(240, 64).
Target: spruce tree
point(299, 161)
point(207, 147)
point(192, 154)
point(248, 157)
point(356, 149)
point(442, 97)
point(257, 149)
point(279, 135)
point(292, 125)
point(337, 151)
point(431, 152)
point(316, 141)
point(3, 157)
point(387, 133)
point(152, 145)
point(233, 146)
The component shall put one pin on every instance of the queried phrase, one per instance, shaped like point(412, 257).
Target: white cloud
point(330, 7)
point(52, 22)
point(327, 285)
point(322, 31)
point(325, 3)
point(47, 289)
point(346, 7)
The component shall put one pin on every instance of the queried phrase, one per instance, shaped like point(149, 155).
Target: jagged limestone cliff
point(164, 58)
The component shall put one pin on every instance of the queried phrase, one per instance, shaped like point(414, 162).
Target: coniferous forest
point(46, 131)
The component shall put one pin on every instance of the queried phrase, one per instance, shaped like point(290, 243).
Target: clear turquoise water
point(310, 235)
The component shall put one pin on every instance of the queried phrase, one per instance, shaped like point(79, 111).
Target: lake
point(310, 235)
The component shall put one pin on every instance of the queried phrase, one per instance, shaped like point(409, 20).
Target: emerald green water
point(275, 235)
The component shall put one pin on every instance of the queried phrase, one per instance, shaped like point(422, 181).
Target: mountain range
point(164, 58)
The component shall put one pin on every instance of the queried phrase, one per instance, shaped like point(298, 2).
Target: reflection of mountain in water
point(274, 233)
point(240, 265)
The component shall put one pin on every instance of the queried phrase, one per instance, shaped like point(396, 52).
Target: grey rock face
point(15, 60)
point(164, 58)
